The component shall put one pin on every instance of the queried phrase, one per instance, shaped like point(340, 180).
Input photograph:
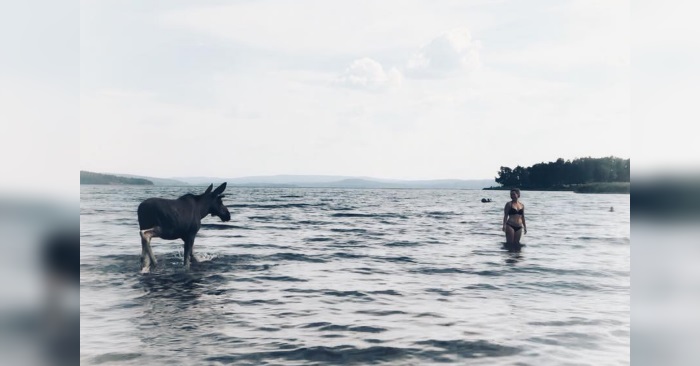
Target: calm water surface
point(359, 276)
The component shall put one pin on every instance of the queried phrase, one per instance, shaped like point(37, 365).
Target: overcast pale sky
point(388, 89)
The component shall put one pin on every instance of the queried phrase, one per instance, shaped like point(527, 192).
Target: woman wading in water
point(514, 220)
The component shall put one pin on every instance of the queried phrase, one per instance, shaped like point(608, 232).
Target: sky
point(387, 89)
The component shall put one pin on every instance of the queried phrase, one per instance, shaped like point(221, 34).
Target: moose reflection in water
point(177, 219)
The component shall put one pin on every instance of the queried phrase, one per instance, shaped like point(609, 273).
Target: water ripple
point(336, 276)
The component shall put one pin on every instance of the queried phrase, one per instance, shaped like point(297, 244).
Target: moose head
point(213, 200)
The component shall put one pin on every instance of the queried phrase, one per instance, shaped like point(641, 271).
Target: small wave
point(368, 271)
point(428, 315)
point(483, 286)
point(294, 257)
point(217, 292)
point(440, 214)
point(281, 227)
point(354, 294)
point(439, 291)
point(228, 264)
point(569, 340)
point(127, 222)
point(318, 239)
point(300, 290)
point(466, 349)
point(615, 240)
point(373, 216)
point(314, 222)
point(262, 246)
point(380, 312)
point(262, 218)
point(349, 244)
point(489, 273)
point(353, 215)
point(402, 244)
point(402, 259)
point(366, 329)
point(341, 208)
point(269, 329)
point(115, 357)
point(232, 236)
point(339, 230)
point(240, 227)
point(347, 255)
point(487, 253)
point(385, 292)
point(328, 327)
point(432, 270)
point(554, 285)
point(281, 278)
point(315, 325)
point(560, 271)
point(568, 323)
point(255, 302)
point(331, 355)
point(273, 206)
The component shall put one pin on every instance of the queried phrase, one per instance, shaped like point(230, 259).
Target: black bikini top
point(513, 211)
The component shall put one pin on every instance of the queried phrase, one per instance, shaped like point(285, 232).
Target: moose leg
point(192, 257)
point(189, 244)
point(147, 257)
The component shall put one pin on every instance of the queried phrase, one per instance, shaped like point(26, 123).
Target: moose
point(177, 219)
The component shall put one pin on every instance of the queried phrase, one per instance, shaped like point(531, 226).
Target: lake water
point(359, 276)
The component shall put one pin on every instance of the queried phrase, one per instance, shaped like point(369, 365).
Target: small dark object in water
point(484, 200)
point(177, 219)
point(612, 209)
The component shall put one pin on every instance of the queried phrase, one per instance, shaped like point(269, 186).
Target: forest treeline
point(565, 173)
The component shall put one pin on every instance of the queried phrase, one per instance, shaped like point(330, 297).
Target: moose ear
point(220, 189)
point(209, 189)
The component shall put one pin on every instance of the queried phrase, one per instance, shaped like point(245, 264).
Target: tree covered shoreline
point(583, 175)
point(98, 178)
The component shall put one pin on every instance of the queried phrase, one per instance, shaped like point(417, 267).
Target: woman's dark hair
point(516, 190)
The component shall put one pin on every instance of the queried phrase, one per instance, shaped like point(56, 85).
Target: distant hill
point(334, 181)
point(288, 181)
point(156, 181)
point(99, 178)
point(415, 184)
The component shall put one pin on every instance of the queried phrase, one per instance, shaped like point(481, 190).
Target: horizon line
point(278, 175)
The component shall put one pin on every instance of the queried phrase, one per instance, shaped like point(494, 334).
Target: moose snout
point(226, 217)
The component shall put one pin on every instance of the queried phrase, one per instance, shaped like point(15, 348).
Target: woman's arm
point(523, 216)
point(505, 215)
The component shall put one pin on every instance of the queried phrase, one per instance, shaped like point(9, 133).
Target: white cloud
point(451, 52)
point(295, 107)
point(369, 74)
point(312, 26)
